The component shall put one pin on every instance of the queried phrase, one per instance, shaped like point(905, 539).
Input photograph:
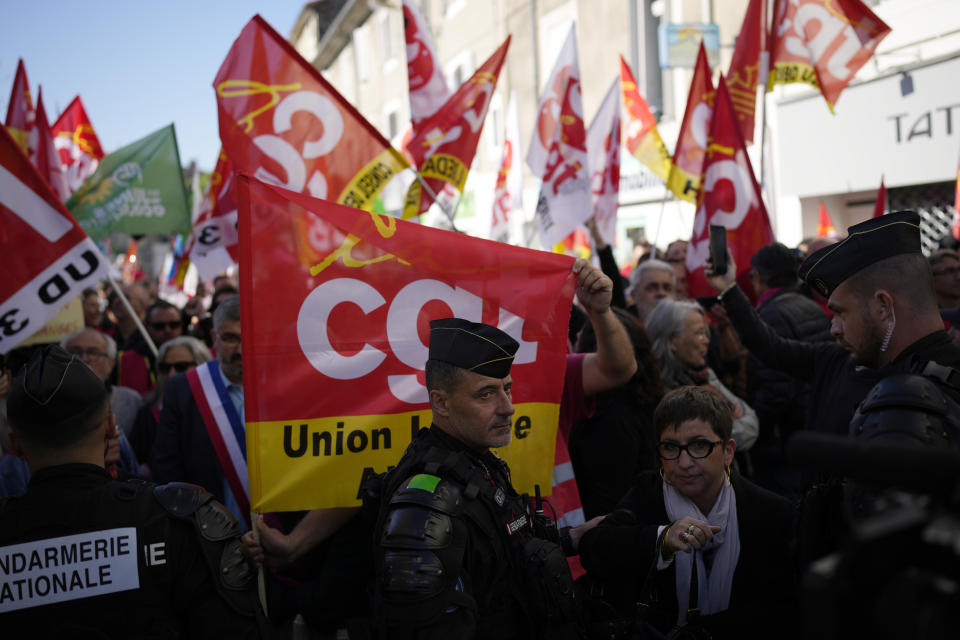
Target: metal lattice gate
point(934, 203)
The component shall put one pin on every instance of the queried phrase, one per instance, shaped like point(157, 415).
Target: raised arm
point(613, 363)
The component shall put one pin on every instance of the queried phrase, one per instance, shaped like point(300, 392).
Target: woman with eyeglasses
point(696, 536)
point(177, 355)
point(680, 338)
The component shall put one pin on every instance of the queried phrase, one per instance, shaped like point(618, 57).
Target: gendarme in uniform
point(456, 552)
point(86, 556)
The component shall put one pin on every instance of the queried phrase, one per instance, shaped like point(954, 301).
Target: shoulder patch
point(423, 481)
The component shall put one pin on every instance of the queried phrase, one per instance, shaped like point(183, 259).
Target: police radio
point(543, 525)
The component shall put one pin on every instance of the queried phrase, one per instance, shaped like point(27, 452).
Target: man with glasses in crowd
point(200, 437)
point(945, 264)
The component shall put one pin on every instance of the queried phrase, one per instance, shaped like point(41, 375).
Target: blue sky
point(137, 65)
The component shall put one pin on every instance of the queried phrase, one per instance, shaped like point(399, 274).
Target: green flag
point(138, 189)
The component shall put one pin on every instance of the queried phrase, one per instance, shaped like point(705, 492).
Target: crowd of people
point(677, 413)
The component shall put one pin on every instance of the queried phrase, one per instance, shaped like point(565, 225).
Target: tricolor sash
point(224, 428)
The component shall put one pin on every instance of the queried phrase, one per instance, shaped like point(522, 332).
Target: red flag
point(881, 205)
point(21, 116)
point(824, 223)
point(730, 197)
point(355, 324)
point(428, 87)
point(77, 144)
point(443, 146)
point(47, 159)
point(822, 43)
point(603, 147)
point(643, 141)
point(509, 186)
point(956, 208)
point(688, 156)
point(745, 66)
point(283, 123)
point(558, 151)
point(49, 258)
point(212, 244)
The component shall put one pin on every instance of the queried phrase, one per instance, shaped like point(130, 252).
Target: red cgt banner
point(336, 310)
point(730, 197)
point(283, 123)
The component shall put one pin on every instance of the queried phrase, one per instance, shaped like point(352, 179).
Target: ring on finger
point(683, 536)
point(691, 529)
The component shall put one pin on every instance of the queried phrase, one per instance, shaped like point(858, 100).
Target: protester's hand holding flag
point(48, 259)
point(730, 197)
point(822, 43)
point(443, 145)
point(352, 325)
point(283, 123)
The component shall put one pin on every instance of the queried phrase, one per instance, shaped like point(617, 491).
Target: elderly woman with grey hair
point(680, 335)
point(177, 355)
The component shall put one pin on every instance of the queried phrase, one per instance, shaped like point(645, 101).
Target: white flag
point(506, 198)
point(603, 148)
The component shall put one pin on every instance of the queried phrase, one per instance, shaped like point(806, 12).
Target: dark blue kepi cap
point(472, 346)
point(52, 389)
point(869, 242)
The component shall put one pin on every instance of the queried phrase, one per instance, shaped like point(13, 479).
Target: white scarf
point(713, 592)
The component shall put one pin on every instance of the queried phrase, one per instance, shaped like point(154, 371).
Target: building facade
point(896, 120)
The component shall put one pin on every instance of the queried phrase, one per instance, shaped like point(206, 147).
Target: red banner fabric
point(688, 155)
point(642, 139)
point(880, 206)
point(745, 68)
point(49, 257)
point(77, 143)
point(47, 159)
point(283, 123)
point(443, 145)
point(212, 245)
point(21, 116)
point(428, 87)
point(730, 197)
point(337, 304)
point(822, 43)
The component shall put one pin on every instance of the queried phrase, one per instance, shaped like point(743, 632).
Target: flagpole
point(433, 195)
point(133, 314)
point(663, 206)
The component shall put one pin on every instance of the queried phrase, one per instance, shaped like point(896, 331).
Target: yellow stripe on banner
point(445, 167)
point(370, 181)
point(684, 185)
point(411, 203)
point(790, 72)
point(314, 463)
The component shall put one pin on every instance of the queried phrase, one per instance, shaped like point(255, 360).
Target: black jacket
point(142, 571)
point(620, 552)
point(779, 398)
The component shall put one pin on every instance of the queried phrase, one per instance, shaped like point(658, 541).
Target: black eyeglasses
point(90, 352)
point(695, 449)
point(160, 326)
point(949, 271)
point(180, 367)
